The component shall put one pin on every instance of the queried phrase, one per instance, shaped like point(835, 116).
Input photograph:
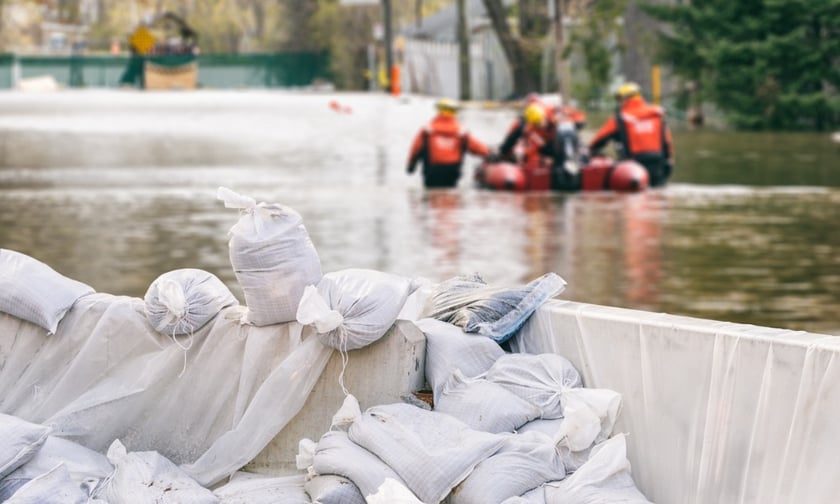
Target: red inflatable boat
point(600, 174)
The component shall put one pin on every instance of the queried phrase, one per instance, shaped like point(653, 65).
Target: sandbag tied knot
point(171, 296)
point(233, 199)
point(314, 310)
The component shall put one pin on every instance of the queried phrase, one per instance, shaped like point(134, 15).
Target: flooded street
point(114, 188)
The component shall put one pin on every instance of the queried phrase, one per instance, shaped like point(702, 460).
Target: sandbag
point(83, 466)
point(540, 379)
point(182, 301)
point(353, 308)
point(535, 496)
point(523, 463)
point(19, 442)
point(493, 311)
point(449, 348)
point(148, 476)
point(249, 488)
point(272, 256)
point(431, 451)
point(484, 405)
point(604, 479)
point(56, 486)
point(337, 454)
point(391, 492)
point(332, 489)
point(32, 291)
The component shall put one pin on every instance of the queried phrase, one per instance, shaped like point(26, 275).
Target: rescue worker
point(537, 129)
point(640, 131)
point(441, 146)
point(570, 113)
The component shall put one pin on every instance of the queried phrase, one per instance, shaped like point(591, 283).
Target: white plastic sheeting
point(107, 374)
point(714, 411)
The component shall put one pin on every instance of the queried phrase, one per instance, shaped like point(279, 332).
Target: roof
point(442, 25)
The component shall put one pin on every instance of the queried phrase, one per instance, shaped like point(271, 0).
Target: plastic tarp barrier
point(107, 374)
point(713, 411)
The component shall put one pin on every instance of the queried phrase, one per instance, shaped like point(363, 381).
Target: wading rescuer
point(441, 146)
point(640, 131)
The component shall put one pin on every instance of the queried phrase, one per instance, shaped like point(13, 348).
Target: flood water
point(114, 188)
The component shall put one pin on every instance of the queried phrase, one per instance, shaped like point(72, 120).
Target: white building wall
point(431, 68)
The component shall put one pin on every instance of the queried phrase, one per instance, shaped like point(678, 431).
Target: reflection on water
point(114, 189)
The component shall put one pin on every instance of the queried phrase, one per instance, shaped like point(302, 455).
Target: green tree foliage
point(767, 64)
point(597, 37)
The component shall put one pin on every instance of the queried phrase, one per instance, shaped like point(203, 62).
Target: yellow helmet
point(627, 90)
point(446, 105)
point(534, 114)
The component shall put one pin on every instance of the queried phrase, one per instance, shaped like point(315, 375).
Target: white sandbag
point(149, 477)
point(604, 479)
point(32, 291)
point(9, 486)
point(392, 492)
point(431, 451)
point(539, 379)
point(523, 463)
point(19, 442)
point(249, 488)
point(448, 348)
point(590, 415)
point(484, 405)
point(56, 486)
point(497, 312)
point(83, 466)
point(337, 454)
point(553, 428)
point(416, 302)
point(272, 256)
point(589, 418)
point(535, 496)
point(352, 308)
point(333, 489)
point(182, 301)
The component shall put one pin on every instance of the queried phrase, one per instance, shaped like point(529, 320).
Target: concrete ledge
point(380, 373)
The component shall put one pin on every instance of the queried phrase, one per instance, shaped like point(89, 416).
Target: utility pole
point(418, 13)
point(389, 42)
point(463, 51)
point(559, 49)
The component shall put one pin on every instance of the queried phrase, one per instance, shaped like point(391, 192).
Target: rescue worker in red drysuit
point(537, 129)
point(441, 146)
point(641, 133)
point(570, 113)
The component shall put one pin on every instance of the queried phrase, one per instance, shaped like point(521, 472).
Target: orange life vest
point(445, 141)
point(643, 126)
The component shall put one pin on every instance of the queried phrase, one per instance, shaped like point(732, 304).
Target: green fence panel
point(214, 70)
point(7, 63)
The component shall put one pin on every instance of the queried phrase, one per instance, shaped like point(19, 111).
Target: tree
point(524, 80)
point(596, 36)
point(767, 64)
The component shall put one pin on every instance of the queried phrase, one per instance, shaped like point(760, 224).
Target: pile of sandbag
point(502, 428)
point(37, 467)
